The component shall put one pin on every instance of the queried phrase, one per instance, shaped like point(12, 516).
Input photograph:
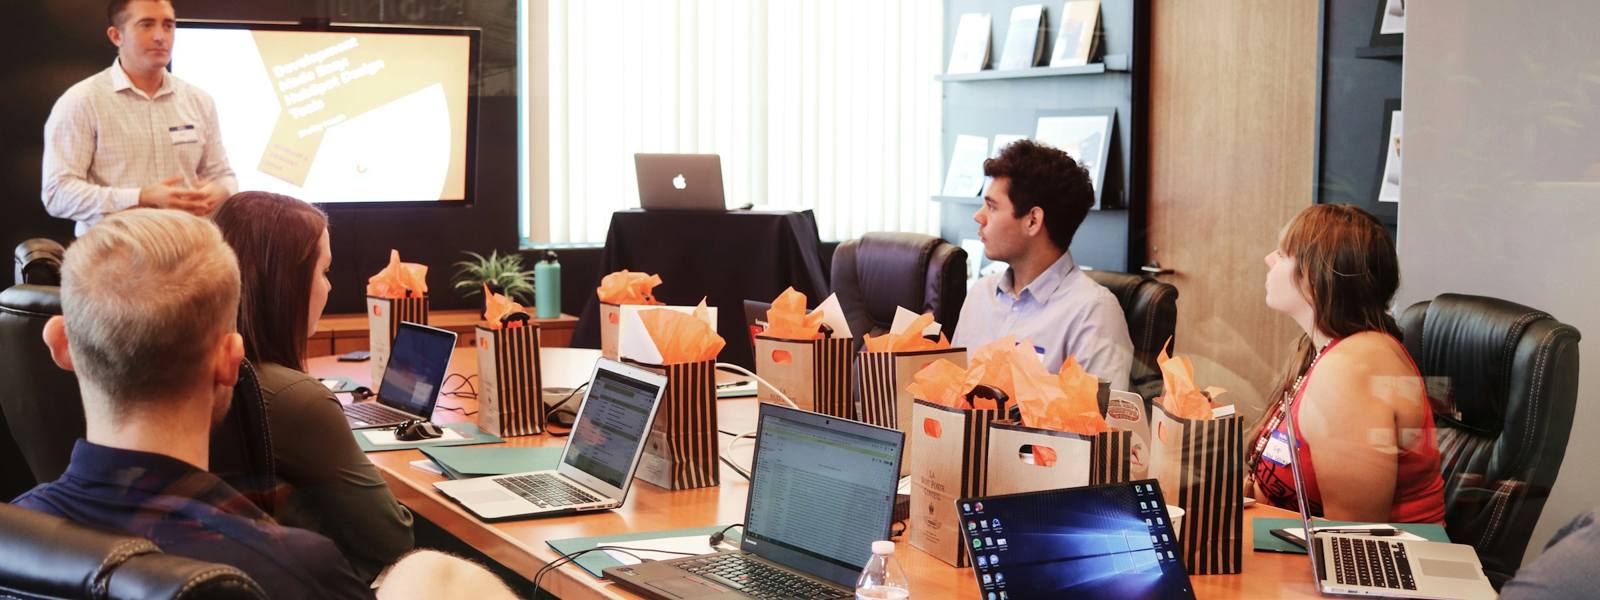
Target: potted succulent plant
point(503, 275)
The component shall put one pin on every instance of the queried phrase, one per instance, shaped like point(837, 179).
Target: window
point(824, 104)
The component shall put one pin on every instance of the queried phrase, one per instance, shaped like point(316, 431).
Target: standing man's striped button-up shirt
point(106, 139)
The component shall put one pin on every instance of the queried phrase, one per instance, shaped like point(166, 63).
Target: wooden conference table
point(520, 545)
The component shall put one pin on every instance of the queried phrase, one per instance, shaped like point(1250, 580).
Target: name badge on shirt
point(184, 134)
point(1277, 449)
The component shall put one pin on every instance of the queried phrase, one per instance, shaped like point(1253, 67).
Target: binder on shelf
point(1079, 36)
point(970, 53)
point(1024, 38)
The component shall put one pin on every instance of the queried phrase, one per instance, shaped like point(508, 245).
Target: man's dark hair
point(1048, 178)
point(117, 11)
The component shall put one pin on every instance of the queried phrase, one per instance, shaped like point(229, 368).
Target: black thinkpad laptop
point(821, 491)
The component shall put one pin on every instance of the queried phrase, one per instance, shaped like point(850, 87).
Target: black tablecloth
point(726, 257)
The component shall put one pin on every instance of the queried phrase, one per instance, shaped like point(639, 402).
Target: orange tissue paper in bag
point(910, 340)
point(682, 338)
point(1064, 402)
point(787, 319)
point(623, 287)
point(1007, 363)
point(497, 307)
point(945, 384)
point(399, 279)
point(1181, 397)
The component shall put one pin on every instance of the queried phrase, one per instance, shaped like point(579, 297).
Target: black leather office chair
point(42, 409)
point(48, 558)
point(1503, 379)
point(26, 369)
point(881, 271)
point(1151, 308)
point(38, 261)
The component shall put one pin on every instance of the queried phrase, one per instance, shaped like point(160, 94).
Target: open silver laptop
point(680, 181)
point(821, 491)
point(1372, 566)
point(596, 469)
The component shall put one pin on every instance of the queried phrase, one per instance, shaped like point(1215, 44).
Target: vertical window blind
point(822, 104)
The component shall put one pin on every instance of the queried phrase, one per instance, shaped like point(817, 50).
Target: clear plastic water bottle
point(883, 579)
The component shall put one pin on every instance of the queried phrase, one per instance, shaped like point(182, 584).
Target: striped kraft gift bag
point(1200, 464)
point(384, 316)
point(814, 374)
point(948, 462)
point(882, 379)
point(510, 394)
point(1026, 459)
point(681, 450)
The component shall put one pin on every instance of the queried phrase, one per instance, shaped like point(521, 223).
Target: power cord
point(745, 473)
point(466, 384)
point(558, 409)
point(716, 538)
point(743, 371)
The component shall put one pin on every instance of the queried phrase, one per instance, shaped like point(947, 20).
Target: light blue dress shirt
point(1063, 312)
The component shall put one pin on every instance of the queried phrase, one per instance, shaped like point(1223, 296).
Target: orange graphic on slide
point(320, 84)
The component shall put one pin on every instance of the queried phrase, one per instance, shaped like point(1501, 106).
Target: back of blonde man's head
point(145, 295)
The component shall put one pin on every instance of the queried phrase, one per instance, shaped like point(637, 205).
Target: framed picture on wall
point(1389, 29)
point(1085, 134)
point(1388, 188)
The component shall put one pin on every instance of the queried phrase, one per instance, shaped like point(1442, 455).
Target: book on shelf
point(966, 166)
point(970, 53)
point(1024, 38)
point(1079, 36)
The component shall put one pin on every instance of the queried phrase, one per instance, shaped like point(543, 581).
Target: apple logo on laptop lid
point(679, 182)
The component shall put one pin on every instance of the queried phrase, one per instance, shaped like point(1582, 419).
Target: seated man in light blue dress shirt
point(1030, 212)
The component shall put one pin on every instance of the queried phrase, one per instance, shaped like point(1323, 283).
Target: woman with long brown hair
point(284, 254)
point(1360, 407)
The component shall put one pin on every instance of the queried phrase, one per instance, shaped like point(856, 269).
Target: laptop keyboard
point(758, 580)
point(372, 412)
point(546, 490)
point(1374, 563)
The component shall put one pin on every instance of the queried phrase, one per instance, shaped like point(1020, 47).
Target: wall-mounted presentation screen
point(340, 114)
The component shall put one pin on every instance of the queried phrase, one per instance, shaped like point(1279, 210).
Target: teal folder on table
point(468, 430)
point(595, 562)
point(1266, 542)
point(465, 462)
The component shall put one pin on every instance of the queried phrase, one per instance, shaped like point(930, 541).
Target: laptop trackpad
point(687, 587)
point(1453, 569)
point(487, 496)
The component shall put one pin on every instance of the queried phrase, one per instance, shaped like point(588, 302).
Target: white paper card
point(970, 53)
point(634, 340)
point(903, 318)
point(833, 317)
point(661, 548)
point(385, 437)
point(965, 178)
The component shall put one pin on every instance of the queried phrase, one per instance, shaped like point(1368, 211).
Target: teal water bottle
point(547, 287)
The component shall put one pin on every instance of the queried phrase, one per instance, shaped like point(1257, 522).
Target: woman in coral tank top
point(1367, 446)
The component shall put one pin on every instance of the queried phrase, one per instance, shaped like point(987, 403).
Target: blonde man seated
point(149, 302)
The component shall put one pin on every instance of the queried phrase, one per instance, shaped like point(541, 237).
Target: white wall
point(1501, 187)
